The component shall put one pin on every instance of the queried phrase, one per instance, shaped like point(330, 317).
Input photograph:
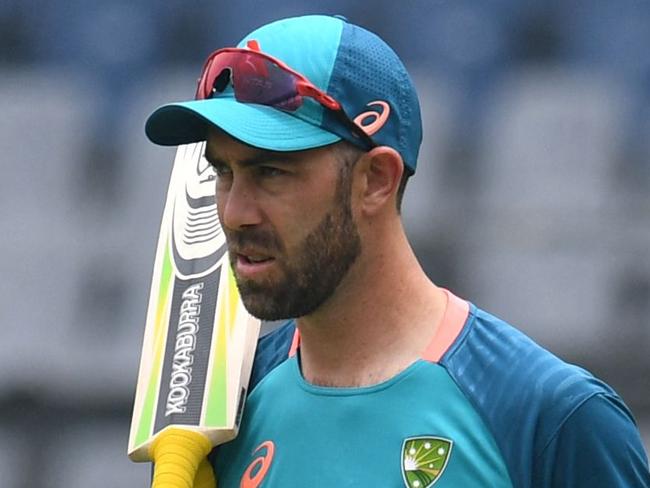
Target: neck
point(378, 322)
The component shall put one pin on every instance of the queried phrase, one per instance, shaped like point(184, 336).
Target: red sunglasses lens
point(255, 79)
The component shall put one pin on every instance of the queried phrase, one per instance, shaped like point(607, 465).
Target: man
point(383, 379)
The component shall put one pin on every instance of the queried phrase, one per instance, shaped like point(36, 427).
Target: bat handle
point(177, 454)
point(205, 476)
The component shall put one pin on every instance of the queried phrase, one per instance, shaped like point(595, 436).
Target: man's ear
point(379, 174)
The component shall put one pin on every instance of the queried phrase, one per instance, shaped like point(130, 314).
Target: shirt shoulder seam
point(569, 414)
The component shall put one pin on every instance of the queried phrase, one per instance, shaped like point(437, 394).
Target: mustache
point(254, 238)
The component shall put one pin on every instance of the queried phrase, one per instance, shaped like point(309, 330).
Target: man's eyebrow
point(258, 159)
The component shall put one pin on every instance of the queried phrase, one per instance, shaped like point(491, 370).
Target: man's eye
point(221, 170)
point(269, 171)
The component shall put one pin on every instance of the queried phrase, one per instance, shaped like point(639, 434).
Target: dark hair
point(348, 154)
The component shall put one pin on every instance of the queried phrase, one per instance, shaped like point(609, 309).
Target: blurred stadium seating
point(545, 203)
point(92, 454)
point(14, 457)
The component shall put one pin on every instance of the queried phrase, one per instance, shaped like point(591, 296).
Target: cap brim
point(257, 125)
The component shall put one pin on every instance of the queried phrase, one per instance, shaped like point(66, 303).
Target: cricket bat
point(199, 340)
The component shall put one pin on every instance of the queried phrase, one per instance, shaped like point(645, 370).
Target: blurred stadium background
point(532, 197)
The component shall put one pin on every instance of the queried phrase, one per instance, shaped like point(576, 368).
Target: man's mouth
point(252, 264)
point(254, 258)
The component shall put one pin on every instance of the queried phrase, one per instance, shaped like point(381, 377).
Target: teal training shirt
point(339, 437)
point(484, 407)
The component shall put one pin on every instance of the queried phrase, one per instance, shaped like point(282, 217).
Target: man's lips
point(251, 254)
point(253, 258)
point(251, 263)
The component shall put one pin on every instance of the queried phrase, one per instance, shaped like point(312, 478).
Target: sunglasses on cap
point(257, 77)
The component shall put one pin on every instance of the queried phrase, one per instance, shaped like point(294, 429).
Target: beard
point(311, 272)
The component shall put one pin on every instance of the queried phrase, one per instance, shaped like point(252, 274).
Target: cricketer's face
point(288, 224)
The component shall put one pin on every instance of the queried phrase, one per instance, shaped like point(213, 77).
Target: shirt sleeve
point(597, 445)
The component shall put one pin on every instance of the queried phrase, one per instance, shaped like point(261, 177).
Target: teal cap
point(349, 63)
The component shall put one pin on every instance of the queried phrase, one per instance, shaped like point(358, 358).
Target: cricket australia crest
point(424, 459)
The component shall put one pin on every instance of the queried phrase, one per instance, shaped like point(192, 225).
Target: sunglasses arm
point(306, 89)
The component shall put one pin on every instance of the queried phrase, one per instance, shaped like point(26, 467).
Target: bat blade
point(199, 340)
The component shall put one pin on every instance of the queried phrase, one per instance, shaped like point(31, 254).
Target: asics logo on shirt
point(371, 121)
point(257, 469)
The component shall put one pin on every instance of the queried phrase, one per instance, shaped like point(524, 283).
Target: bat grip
point(177, 454)
point(205, 476)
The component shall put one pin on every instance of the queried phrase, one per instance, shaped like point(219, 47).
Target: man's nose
point(238, 205)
